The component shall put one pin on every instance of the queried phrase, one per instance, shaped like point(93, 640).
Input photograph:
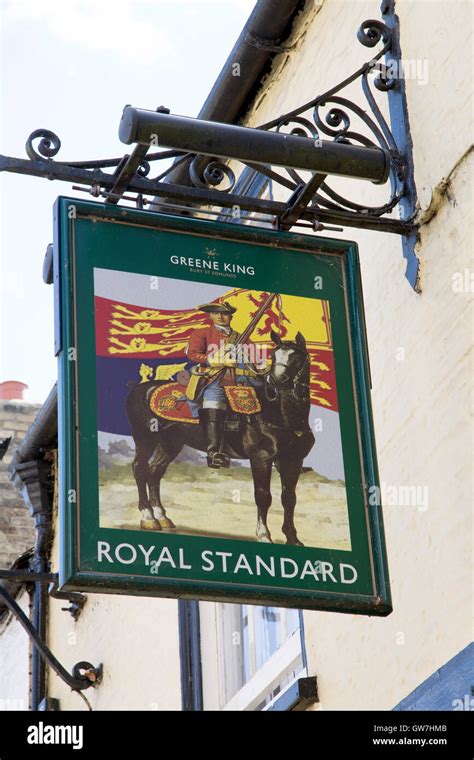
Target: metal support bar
point(256, 145)
point(202, 196)
point(299, 200)
point(84, 674)
point(126, 171)
point(131, 165)
point(25, 576)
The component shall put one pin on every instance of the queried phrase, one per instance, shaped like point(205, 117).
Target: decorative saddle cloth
point(169, 402)
point(242, 399)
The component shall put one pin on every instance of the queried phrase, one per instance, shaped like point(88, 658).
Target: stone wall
point(16, 525)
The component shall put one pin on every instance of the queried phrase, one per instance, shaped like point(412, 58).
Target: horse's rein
point(296, 381)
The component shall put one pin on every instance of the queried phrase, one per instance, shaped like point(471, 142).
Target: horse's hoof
point(265, 539)
point(166, 523)
point(150, 525)
point(296, 542)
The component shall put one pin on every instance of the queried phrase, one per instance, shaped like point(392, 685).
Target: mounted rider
point(223, 367)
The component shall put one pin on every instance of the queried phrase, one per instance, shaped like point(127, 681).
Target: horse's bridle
point(297, 382)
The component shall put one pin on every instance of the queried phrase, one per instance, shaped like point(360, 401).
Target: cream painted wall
point(14, 661)
point(420, 352)
point(136, 639)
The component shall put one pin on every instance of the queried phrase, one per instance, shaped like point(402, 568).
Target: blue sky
point(71, 66)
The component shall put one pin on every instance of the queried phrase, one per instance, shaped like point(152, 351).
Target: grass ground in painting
point(220, 503)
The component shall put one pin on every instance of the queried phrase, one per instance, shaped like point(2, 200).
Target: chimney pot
point(12, 390)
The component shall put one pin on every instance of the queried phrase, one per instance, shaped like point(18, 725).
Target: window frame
point(261, 684)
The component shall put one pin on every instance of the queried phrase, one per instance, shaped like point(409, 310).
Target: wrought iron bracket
point(84, 674)
point(337, 136)
point(75, 599)
point(298, 202)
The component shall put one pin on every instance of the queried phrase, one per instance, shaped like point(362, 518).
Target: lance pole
point(245, 334)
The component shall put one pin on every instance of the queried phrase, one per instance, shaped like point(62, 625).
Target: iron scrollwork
point(211, 173)
point(337, 121)
point(331, 116)
point(48, 147)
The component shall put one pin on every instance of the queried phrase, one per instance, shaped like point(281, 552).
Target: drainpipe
point(29, 472)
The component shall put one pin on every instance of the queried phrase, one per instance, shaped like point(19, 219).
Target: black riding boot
point(213, 421)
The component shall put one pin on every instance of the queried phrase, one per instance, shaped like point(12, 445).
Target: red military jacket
point(207, 339)
point(201, 341)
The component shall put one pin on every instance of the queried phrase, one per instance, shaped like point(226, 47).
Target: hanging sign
point(216, 437)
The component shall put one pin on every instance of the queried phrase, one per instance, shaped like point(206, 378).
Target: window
point(250, 654)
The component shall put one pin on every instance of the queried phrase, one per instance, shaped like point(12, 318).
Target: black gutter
point(30, 474)
point(41, 433)
point(268, 27)
point(262, 38)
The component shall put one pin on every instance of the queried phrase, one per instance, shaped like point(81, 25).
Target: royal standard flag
point(135, 343)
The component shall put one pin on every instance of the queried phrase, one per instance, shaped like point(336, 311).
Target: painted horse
point(279, 434)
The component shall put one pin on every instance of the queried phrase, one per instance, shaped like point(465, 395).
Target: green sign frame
point(90, 235)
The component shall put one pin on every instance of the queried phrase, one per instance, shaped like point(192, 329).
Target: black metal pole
point(38, 665)
point(253, 145)
point(26, 576)
point(190, 655)
point(39, 565)
point(78, 680)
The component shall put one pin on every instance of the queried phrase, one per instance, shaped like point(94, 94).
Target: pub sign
point(215, 427)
